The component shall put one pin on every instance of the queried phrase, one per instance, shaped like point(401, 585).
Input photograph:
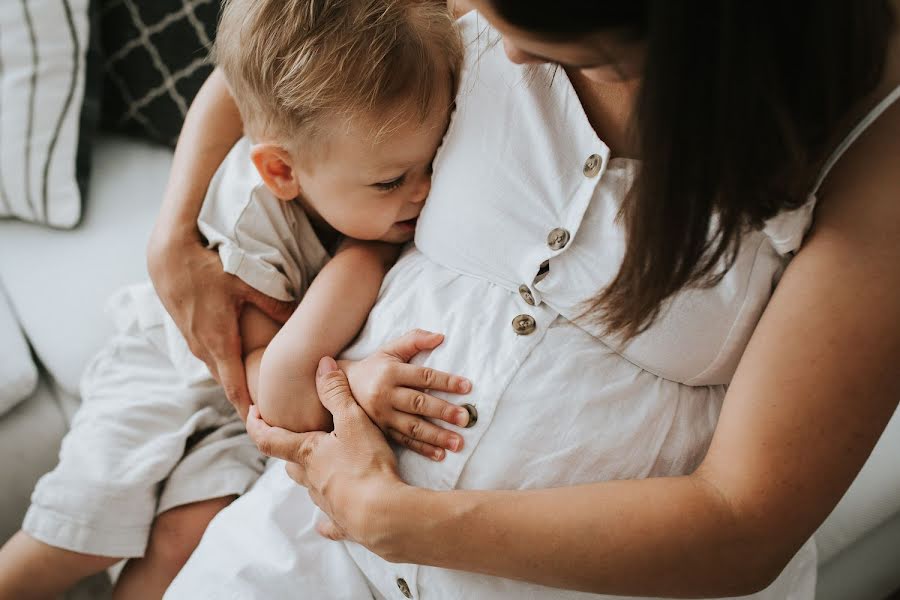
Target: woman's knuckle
point(264, 445)
point(419, 404)
point(302, 453)
point(429, 376)
point(335, 384)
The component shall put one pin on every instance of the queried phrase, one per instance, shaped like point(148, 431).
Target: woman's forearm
point(211, 127)
point(614, 537)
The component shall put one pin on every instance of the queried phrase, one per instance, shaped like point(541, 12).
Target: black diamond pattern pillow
point(156, 57)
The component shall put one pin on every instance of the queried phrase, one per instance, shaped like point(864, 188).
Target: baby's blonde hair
point(293, 65)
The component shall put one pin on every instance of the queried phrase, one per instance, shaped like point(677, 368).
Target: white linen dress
point(520, 228)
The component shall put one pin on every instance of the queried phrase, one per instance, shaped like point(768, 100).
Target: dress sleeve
point(266, 242)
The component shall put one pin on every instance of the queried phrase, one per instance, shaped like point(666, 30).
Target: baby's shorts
point(154, 431)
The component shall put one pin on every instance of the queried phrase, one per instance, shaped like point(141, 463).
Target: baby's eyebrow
point(390, 170)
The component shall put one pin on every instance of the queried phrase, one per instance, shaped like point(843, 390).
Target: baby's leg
point(32, 569)
point(174, 536)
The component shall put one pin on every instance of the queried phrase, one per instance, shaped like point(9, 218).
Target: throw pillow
point(156, 59)
point(18, 375)
point(44, 123)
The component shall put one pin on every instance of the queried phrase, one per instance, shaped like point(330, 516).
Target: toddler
point(344, 104)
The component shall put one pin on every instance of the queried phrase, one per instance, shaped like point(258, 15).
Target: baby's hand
point(392, 392)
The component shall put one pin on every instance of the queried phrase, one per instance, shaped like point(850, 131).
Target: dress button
point(558, 238)
point(524, 324)
point(592, 165)
point(473, 414)
point(404, 587)
point(526, 295)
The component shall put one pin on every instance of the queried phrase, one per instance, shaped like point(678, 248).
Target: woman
point(601, 306)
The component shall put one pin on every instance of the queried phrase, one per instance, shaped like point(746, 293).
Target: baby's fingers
point(419, 403)
point(426, 378)
point(426, 450)
point(420, 430)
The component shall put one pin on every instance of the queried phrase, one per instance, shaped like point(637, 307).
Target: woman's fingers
point(233, 377)
point(411, 343)
point(419, 403)
point(426, 378)
point(334, 389)
point(281, 443)
point(327, 528)
point(426, 450)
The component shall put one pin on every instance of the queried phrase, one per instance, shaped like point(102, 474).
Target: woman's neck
point(609, 106)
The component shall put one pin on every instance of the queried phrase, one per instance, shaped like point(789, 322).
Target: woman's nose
point(517, 56)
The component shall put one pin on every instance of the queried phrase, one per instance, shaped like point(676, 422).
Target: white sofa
point(57, 283)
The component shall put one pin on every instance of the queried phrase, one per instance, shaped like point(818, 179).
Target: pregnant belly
point(555, 406)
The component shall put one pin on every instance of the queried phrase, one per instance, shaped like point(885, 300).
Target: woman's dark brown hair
point(739, 104)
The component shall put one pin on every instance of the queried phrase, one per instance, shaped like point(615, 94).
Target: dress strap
point(867, 120)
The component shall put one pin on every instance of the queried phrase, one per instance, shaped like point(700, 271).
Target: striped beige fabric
point(43, 45)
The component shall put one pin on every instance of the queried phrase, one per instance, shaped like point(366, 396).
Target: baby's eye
point(393, 184)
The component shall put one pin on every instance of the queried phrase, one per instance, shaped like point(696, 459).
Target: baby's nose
point(423, 190)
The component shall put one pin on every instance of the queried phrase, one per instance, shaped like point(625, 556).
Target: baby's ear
point(275, 166)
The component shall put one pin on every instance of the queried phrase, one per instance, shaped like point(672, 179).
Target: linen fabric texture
point(562, 405)
point(155, 430)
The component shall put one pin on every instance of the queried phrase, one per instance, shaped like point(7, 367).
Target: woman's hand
point(205, 303)
point(392, 393)
point(348, 471)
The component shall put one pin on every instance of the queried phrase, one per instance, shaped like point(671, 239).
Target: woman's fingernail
point(464, 386)
point(326, 365)
point(454, 444)
point(462, 418)
point(438, 455)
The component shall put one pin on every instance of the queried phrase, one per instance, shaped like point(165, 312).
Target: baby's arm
point(281, 372)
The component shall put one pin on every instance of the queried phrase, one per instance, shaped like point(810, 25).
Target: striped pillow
point(43, 55)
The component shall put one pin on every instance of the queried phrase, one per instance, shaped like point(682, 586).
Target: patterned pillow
point(45, 125)
point(156, 58)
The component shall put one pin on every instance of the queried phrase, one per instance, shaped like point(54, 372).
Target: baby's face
point(374, 189)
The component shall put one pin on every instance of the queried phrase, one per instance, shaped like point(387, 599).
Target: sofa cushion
point(58, 281)
point(29, 444)
point(18, 375)
point(44, 74)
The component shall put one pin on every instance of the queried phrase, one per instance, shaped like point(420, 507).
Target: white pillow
point(18, 374)
point(43, 52)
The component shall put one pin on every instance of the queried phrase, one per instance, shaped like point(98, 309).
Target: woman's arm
point(814, 390)
point(330, 315)
point(204, 301)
